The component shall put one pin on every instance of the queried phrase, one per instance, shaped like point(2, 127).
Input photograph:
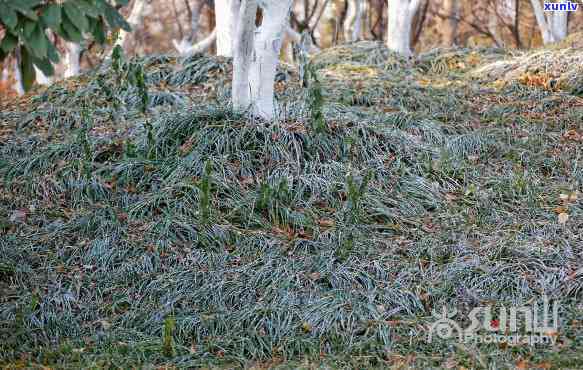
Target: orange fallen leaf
point(522, 365)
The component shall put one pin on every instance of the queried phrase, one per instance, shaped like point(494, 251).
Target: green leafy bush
point(26, 22)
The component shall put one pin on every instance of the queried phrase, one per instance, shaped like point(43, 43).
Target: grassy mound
point(143, 223)
point(552, 68)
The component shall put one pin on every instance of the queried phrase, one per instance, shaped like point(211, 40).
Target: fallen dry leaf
point(563, 218)
point(522, 365)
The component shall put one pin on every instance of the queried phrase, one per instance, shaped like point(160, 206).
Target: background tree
point(450, 23)
point(553, 25)
point(134, 20)
point(193, 43)
point(353, 25)
point(226, 14)
point(399, 32)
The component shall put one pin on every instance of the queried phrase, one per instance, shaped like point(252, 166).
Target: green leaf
point(76, 16)
point(98, 30)
point(27, 69)
point(38, 42)
point(89, 8)
point(51, 15)
point(61, 31)
point(25, 9)
point(8, 43)
point(28, 28)
point(8, 17)
point(115, 20)
point(71, 32)
point(53, 53)
point(44, 65)
point(27, 4)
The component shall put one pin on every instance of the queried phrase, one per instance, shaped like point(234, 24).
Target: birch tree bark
point(559, 25)
point(19, 82)
point(244, 48)
point(257, 55)
point(72, 59)
point(553, 25)
point(354, 19)
point(226, 14)
point(399, 30)
point(192, 44)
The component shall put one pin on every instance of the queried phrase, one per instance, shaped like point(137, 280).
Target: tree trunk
point(494, 24)
point(244, 47)
point(72, 59)
point(399, 30)
point(559, 25)
point(226, 13)
point(328, 26)
point(450, 24)
point(508, 11)
point(195, 21)
point(257, 56)
point(185, 48)
point(554, 26)
point(135, 20)
point(19, 81)
point(354, 19)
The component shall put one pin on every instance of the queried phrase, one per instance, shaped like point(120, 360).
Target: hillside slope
point(146, 224)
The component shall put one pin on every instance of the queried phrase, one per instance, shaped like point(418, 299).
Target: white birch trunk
point(257, 56)
point(401, 13)
point(190, 45)
point(72, 60)
point(19, 84)
point(553, 26)
point(354, 18)
point(226, 14)
point(243, 54)
point(267, 46)
point(135, 19)
point(558, 25)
